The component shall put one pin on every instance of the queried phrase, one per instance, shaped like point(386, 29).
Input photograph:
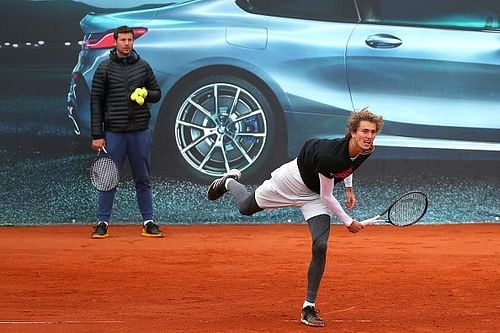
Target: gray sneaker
point(310, 316)
point(218, 187)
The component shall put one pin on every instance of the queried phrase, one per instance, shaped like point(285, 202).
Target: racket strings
point(408, 209)
point(104, 174)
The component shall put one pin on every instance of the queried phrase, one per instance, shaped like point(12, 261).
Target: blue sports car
point(246, 82)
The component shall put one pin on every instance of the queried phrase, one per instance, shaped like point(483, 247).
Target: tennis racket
point(104, 174)
point(405, 211)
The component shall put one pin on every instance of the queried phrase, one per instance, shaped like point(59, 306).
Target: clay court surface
point(249, 278)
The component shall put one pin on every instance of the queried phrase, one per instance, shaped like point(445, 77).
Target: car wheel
point(221, 123)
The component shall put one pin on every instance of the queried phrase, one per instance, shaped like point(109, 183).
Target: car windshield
point(321, 10)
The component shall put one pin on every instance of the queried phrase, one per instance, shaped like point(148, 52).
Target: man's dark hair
point(123, 30)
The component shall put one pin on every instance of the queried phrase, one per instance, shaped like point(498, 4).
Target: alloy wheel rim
point(220, 127)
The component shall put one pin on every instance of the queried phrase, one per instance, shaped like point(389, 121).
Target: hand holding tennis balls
point(139, 95)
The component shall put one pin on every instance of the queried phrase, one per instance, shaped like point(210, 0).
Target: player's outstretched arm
point(326, 194)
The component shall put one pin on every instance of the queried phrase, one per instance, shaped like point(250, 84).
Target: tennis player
point(307, 183)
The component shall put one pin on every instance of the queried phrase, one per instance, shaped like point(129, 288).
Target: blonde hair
point(356, 117)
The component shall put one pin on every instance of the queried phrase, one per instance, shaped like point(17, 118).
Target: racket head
point(408, 209)
point(104, 173)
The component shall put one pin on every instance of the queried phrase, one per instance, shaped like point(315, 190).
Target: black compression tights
point(319, 226)
point(244, 199)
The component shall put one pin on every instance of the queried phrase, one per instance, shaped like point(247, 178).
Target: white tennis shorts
point(285, 188)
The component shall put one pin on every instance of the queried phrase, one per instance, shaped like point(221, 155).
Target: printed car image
point(246, 82)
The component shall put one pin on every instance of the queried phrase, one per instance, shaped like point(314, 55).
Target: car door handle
point(383, 41)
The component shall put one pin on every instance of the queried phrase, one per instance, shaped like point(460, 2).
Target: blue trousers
point(137, 146)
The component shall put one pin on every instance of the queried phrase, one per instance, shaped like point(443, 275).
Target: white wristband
point(348, 181)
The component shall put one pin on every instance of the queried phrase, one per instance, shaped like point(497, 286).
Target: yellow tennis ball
point(133, 96)
point(144, 92)
point(139, 100)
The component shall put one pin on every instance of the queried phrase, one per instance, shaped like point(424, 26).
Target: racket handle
point(370, 220)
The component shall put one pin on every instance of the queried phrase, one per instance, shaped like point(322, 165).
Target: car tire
point(218, 123)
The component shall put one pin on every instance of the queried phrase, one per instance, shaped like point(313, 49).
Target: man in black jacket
point(307, 183)
point(122, 87)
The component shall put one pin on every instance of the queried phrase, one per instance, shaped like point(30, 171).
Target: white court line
point(14, 322)
point(337, 311)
